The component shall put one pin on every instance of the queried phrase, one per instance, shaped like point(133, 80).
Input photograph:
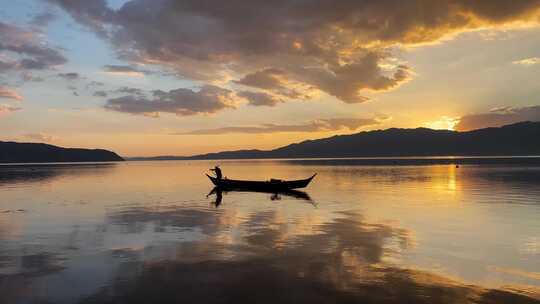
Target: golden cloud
point(339, 48)
point(527, 61)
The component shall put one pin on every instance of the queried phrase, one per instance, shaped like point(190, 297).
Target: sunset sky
point(180, 77)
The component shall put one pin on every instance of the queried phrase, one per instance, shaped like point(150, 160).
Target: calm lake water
point(146, 232)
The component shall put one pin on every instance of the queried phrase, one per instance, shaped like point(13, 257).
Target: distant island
point(13, 152)
point(519, 139)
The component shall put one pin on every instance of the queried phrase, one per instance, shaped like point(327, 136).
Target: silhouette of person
point(217, 170)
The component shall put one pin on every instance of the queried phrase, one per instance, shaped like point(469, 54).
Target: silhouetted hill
point(517, 139)
point(12, 152)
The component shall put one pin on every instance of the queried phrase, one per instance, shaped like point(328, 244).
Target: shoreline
point(405, 160)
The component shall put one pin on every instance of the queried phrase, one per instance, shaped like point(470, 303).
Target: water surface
point(144, 232)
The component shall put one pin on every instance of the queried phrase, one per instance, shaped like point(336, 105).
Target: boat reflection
point(275, 195)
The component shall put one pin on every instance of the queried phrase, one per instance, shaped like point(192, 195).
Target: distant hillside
point(12, 152)
point(517, 139)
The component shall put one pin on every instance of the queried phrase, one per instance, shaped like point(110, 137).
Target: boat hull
point(260, 185)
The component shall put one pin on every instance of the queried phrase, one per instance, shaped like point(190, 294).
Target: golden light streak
point(443, 123)
point(527, 61)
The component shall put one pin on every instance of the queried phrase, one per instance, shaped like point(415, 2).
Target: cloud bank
point(289, 48)
point(498, 117)
point(321, 125)
point(24, 50)
point(260, 98)
point(182, 102)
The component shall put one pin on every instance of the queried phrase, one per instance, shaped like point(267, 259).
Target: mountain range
point(13, 152)
point(517, 139)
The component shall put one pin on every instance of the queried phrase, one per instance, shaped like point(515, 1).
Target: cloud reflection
point(343, 260)
point(175, 247)
point(10, 174)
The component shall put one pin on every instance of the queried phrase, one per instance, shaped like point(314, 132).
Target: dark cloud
point(123, 70)
point(32, 64)
point(92, 14)
point(8, 93)
point(498, 117)
point(100, 94)
point(347, 81)
point(69, 76)
point(128, 90)
point(31, 52)
point(264, 79)
point(93, 86)
point(321, 125)
point(182, 102)
point(335, 48)
point(119, 91)
point(260, 98)
point(342, 81)
point(275, 81)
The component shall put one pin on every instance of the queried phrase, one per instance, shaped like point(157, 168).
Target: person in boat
point(217, 170)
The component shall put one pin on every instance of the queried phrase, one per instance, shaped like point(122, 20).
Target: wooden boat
point(273, 185)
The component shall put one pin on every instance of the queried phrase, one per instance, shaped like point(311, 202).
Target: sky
point(182, 77)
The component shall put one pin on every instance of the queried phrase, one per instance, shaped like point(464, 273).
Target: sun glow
point(444, 123)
